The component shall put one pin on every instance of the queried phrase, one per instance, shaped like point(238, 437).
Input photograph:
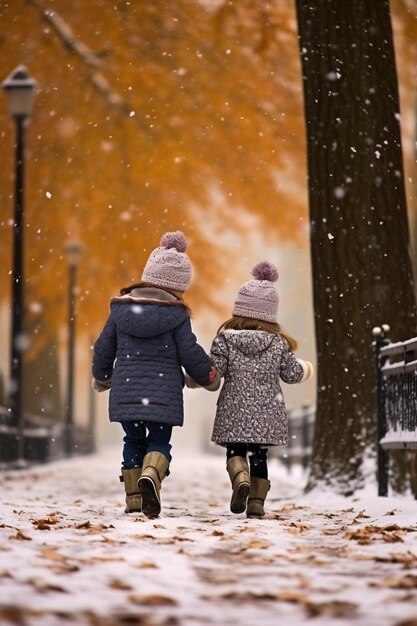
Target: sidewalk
point(69, 556)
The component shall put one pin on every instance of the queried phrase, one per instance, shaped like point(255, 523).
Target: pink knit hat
point(258, 298)
point(168, 266)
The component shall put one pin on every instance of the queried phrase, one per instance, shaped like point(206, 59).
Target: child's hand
point(307, 369)
point(190, 382)
point(213, 374)
point(214, 381)
point(310, 370)
point(99, 385)
point(214, 378)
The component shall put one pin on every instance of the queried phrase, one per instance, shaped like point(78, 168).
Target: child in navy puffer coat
point(139, 356)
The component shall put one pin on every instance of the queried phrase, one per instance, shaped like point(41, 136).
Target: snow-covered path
point(69, 556)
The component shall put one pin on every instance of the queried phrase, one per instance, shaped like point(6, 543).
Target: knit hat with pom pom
point(258, 298)
point(168, 266)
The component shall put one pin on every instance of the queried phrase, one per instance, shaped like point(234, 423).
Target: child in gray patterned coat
point(252, 353)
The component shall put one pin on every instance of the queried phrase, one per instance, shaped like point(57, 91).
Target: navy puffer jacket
point(145, 342)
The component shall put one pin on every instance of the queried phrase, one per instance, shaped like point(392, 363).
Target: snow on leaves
point(73, 557)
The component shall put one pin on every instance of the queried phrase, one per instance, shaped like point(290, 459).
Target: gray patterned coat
point(251, 407)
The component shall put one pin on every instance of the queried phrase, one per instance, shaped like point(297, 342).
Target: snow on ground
point(70, 556)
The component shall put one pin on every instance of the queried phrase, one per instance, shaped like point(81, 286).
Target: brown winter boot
point(130, 479)
point(238, 471)
point(259, 487)
point(154, 469)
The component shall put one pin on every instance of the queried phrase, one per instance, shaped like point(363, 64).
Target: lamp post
point(72, 251)
point(20, 91)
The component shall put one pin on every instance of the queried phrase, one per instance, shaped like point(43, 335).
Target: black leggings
point(257, 457)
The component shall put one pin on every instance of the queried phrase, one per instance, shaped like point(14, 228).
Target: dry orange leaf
point(86, 524)
point(258, 544)
point(44, 586)
point(408, 559)
point(120, 585)
point(409, 581)
point(20, 536)
point(152, 600)
point(52, 555)
point(292, 595)
point(333, 608)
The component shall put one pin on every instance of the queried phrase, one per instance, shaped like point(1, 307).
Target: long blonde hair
point(246, 323)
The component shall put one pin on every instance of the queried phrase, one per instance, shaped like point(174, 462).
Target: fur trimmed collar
point(149, 294)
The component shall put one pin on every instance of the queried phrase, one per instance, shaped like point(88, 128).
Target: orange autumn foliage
point(150, 117)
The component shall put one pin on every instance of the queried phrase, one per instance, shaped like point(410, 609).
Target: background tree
point(150, 116)
point(155, 116)
point(362, 273)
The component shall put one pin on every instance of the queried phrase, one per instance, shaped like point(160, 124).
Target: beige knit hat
point(168, 266)
point(258, 298)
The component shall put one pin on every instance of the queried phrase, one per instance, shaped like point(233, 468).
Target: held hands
point(99, 385)
point(213, 385)
point(213, 374)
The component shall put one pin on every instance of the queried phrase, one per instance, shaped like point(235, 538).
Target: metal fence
point(300, 438)
point(396, 368)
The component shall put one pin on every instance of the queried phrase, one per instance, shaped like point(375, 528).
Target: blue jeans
point(143, 437)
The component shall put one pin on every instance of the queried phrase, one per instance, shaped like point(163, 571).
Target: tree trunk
point(362, 273)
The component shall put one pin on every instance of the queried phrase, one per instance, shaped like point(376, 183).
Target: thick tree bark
point(362, 273)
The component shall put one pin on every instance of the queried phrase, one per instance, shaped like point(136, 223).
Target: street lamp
point(20, 91)
point(72, 251)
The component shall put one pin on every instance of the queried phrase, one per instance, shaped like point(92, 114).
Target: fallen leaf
point(45, 586)
point(217, 533)
point(120, 585)
point(65, 568)
point(333, 531)
point(248, 596)
point(409, 581)
point(52, 555)
point(105, 559)
point(333, 608)
point(86, 524)
point(215, 575)
point(41, 524)
point(360, 515)
point(291, 596)
point(20, 536)
point(147, 565)
point(258, 544)
point(367, 534)
point(297, 528)
point(408, 559)
point(152, 600)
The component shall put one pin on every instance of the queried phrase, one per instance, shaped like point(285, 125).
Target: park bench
point(396, 365)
